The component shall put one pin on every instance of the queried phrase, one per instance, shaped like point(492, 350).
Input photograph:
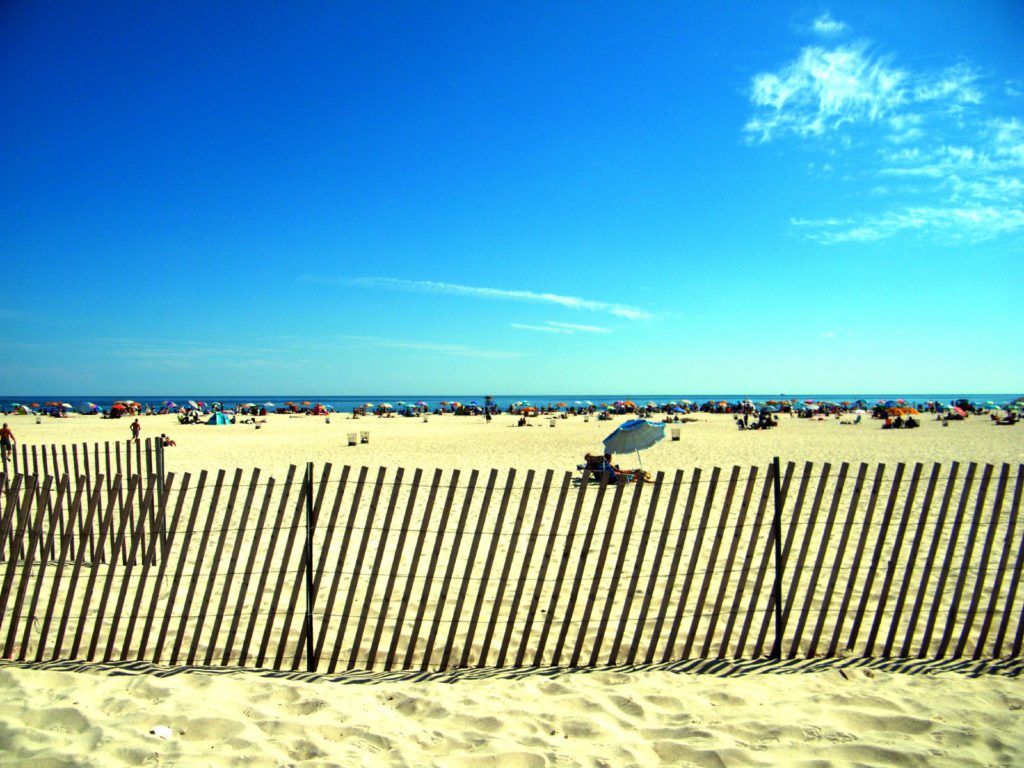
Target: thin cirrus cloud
point(951, 166)
point(501, 294)
point(550, 326)
point(826, 26)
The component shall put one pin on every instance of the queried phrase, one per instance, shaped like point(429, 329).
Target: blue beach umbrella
point(634, 435)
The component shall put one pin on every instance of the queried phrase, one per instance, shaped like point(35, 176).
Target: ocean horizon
point(347, 402)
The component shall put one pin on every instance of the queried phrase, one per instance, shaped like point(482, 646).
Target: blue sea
point(348, 402)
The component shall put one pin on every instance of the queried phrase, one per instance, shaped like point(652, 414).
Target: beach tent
point(218, 419)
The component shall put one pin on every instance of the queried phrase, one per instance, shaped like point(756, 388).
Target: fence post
point(777, 534)
point(310, 659)
point(160, 467)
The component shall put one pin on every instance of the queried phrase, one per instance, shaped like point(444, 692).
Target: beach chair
point(353, 438)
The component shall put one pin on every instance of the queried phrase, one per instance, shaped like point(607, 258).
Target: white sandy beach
point(827, 714)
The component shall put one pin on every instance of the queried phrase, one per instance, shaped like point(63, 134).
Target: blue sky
point(515, 197)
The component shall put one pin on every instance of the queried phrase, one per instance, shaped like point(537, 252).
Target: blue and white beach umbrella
point(634, 435)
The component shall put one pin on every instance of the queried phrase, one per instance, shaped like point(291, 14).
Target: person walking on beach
point(136, 428)
point(7, 442)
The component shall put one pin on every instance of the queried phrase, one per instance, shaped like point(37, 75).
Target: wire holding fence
point(327, 570)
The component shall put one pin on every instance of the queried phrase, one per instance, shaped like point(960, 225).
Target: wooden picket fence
point(389, 569)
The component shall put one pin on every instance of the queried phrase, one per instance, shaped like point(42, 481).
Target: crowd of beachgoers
point(955, 409)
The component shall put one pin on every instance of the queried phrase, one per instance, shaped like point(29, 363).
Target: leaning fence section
point(333, 569)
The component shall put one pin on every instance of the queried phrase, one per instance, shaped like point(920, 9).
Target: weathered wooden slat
point(126, 575)
point(92, 514)
point(596, 585)
point(90, 586)
point(282, 575)
point(986, 554)
point(709, 568)
point(648, 593)
point(460, 531)
point(506, 571)
point(747, 566)
point(1011, 592)
point(581, 565)
point(36, 543)
point(734, 545)
point(824, 541)
point(926, 572)
point(670, 576)
point(224, 520)
point(378, 560)
point(340, 567)
point(876, 555)
point(67, 473)
point(421, 538)
point(912, 556)
point(954, 535)
point(781, 564)
point(63, 492)
point(267, 569)
point(197, 568)
point(894, 558)
point(961, 581)
point(1011, 526)
point(93, 554)
point(396, 562)
point(691, 568)
point(770, 549)
point(563, 565)
point(545, 562)
point(620, 564)
point(638, 565)
point(236, 552)
point(164, 563)
point(325, 549)
point(248, 572)
point(148, 561)
point(108, 582)
point(74, 515)
point(305, 557)
point(844, 537)
point(357, 570)
point(13, 497)
point(179, 570)
point(486, 576)
point(467, 575)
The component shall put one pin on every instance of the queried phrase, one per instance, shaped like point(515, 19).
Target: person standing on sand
point(7, 441)
point(136, 428)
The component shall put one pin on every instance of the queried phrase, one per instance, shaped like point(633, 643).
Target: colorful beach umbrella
point(634, 435)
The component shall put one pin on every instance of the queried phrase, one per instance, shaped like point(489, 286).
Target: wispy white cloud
point(551, 326)
point(972, 224)
point(502, 294)
point(572, 327)
point(537, 328)
point(826, 26)
point(948, 166)
point(822, 91)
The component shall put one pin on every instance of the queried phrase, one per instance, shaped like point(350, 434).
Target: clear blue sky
point(511, 197)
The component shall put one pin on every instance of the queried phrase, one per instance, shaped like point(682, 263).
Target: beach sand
point(840, 712)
